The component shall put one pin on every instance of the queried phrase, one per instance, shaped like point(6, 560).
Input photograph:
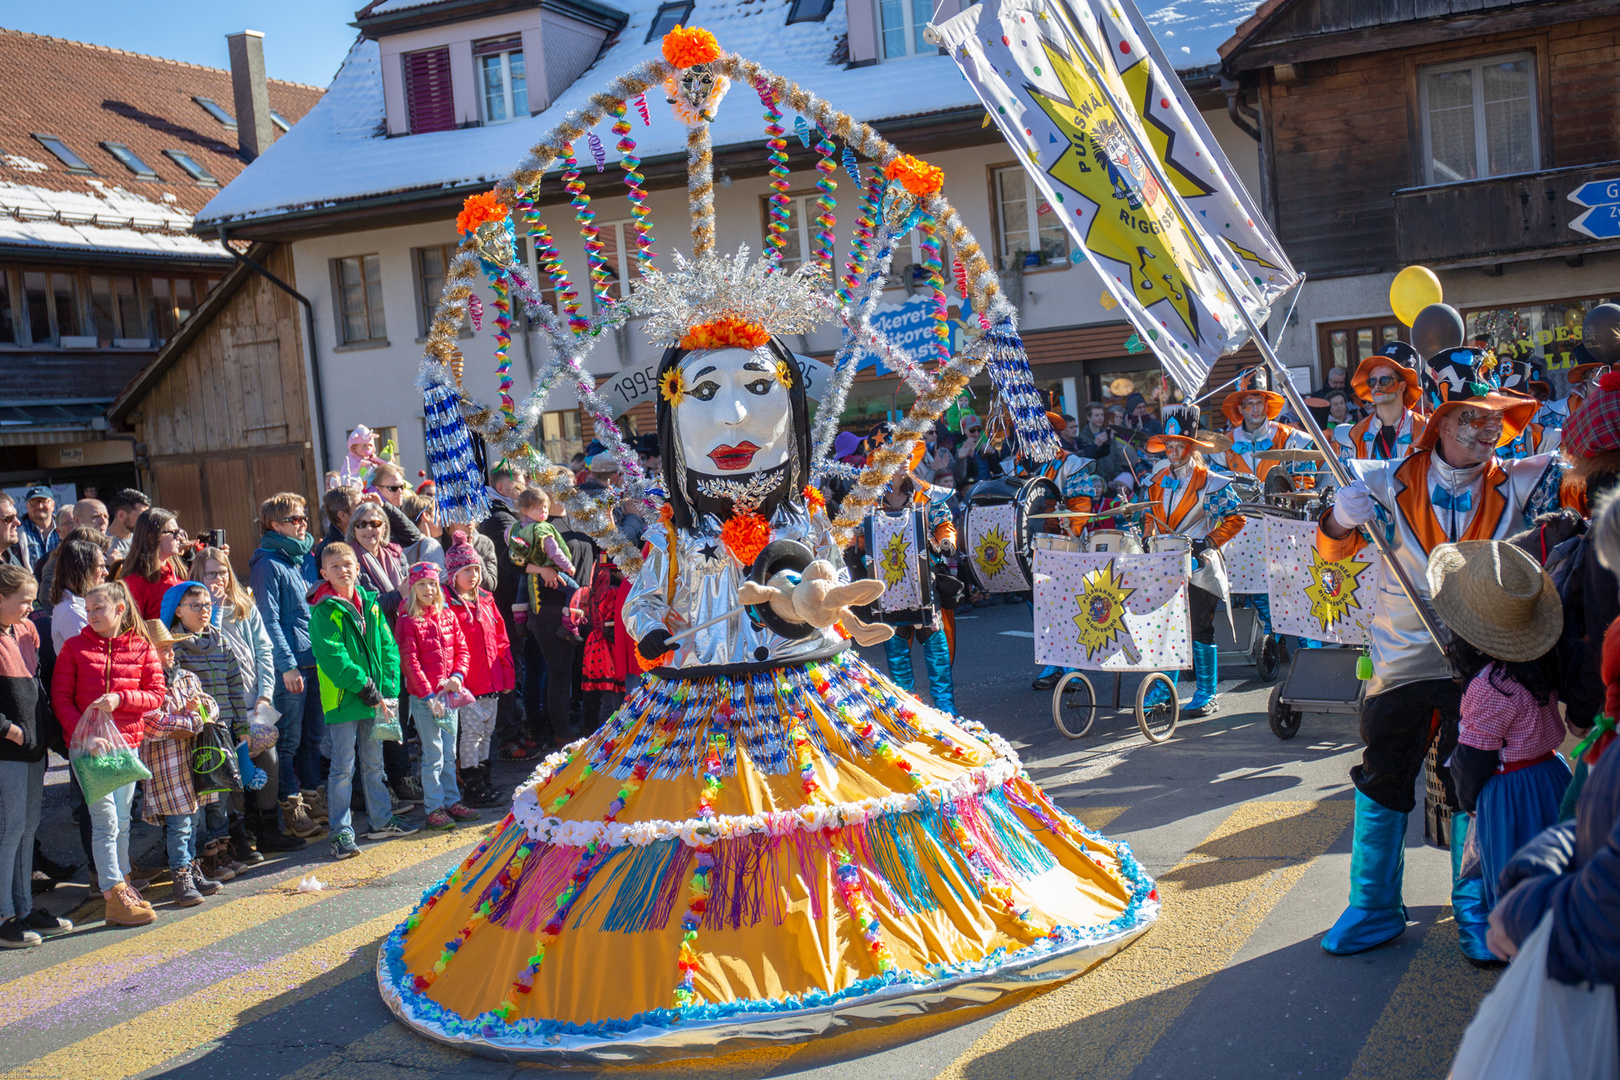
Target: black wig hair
point(798, 417)
point(1539, 676)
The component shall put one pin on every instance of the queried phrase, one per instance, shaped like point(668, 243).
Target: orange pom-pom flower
point(814, 500)
point(478, 209)
point(915, 175)
point(726, 332)
point(686, 48)
point(745, 536)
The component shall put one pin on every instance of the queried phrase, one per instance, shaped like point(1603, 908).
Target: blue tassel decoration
point(458, 484)
point(853, 167)
point(1032, 433)
point(803, 130)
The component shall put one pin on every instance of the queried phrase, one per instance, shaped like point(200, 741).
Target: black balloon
point(1437, 328)
point(1601, 333)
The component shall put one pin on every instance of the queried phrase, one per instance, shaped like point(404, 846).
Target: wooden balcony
point(1497, 220)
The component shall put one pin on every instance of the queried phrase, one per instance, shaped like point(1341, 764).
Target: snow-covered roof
point(107, 217)
point(338, 153)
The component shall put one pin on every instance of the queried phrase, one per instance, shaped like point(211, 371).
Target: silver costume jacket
point(700, 579)
point(1421, 503)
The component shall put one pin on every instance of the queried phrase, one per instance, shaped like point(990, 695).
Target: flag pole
point(1341, 474)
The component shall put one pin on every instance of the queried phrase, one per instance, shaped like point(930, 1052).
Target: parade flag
point(1245, 556)
point(992, 535)
point(1102, 611)
point(1314, 597)
point(1077, 87)
point(894, 558)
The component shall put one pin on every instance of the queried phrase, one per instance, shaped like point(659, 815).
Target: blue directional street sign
point(1600, 222)
point(1596, 193)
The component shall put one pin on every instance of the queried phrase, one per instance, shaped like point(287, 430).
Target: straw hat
point(1497, 598)
point(161, 635)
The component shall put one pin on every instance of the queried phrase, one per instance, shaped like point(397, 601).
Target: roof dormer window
point(902, 25)
point(669, 17)
point(809, 11)
point(501, 80)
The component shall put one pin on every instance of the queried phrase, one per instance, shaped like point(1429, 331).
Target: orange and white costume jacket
point(1193, 500)
point(1243, 458)
point(1421, 502)
point(1359, 442)
point(1081, 487)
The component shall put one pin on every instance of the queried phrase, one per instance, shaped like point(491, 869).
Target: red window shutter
point(429, 104)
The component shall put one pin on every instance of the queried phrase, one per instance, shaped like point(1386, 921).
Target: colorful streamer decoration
point(860, 251)
point(600, 274)
point(852, 166)
point(458, 483)
point(598, 152)
point(777, 142)
point(803, 131)
point(503, 345)
point(641, 107)
point(823, 246)
point(928, 232)
point(550, 260)
point(631, 164)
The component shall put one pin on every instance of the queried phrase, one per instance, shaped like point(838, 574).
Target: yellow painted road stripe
point(1103, 1024)
point(181, 1026)
point(1423, 1021)
point(1097, 818)
point(131, 951)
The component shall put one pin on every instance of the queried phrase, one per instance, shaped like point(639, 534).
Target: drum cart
point(1321, 680)
point(1252, 646)
point(1074, 705)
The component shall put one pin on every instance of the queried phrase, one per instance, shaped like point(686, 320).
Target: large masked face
point(1469, 435)
point(735, 416)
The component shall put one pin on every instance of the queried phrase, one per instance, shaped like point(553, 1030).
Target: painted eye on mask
point(759, 386)
point(706, 390)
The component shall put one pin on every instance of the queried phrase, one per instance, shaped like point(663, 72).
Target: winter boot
point(268, 830)
point(298, 822)
point(487, 795)
point(185, 890)
point(241, 853)
point(1206, 670)
point(1377, 863)
point(1468, 899)
point(205, 884)
point(315, 804)
point(125, 906)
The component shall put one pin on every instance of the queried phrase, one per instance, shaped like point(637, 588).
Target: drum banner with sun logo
point(1111, 611)
point(1316, 597)
point(894, 560)
point(990, 532)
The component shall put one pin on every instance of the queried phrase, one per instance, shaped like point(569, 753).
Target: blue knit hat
point(172, 598)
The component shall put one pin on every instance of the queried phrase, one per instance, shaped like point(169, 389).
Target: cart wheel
point(1269, 662)
point(1157, 708)
point(1074, 705)
point(1284, 720)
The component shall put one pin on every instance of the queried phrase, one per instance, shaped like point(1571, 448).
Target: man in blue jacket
point(281, 571)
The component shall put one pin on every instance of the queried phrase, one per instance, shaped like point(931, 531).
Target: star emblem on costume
point(709, 551)
point(1101, 619)
point(1332, 591)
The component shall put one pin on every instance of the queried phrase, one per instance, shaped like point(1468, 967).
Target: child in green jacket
point(358, 666)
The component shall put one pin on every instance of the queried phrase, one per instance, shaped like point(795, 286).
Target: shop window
point(1545, 334)
point(1027, 226)
point(1479, 118)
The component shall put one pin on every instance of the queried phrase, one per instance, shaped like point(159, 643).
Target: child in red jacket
point(489, 667)
point(433, 659)
point(111, 665)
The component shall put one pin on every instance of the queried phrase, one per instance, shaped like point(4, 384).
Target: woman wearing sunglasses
point(153, 564)
point(1389, 380)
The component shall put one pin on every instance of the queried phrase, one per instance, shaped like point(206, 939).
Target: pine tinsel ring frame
point(594, 517)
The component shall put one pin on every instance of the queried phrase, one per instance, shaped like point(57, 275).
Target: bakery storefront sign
point(1545, 333)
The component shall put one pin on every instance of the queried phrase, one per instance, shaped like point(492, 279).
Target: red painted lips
point(732, 458)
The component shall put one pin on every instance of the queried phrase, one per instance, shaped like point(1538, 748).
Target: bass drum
point(998, 534)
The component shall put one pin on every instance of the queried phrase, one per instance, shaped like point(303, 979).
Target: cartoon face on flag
point(1111, 612)
point(990, 535)
point(1316, 597)
point(1245, 556)
point(1106, 131)
point(893, 559)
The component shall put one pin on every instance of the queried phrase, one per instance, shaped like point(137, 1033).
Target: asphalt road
point(1248, 836)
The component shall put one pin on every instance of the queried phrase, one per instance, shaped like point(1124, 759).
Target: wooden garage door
point(223, 490)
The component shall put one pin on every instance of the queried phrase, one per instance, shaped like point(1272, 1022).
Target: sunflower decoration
point(1332, 591)
point(1101, 619)
point(672, 387)
point(990, 553)
point(896, 556)
point(784, 374)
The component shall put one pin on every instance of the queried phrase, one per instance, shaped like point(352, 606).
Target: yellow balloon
point(1413, 289)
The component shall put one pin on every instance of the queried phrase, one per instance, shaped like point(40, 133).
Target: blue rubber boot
point(1468, 899)
point(1377, 864)
point(941, 684)
point(897, 651)
point(1206, 672)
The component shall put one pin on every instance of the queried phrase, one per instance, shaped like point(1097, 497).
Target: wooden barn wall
point(1347, 135)
point(228, 425)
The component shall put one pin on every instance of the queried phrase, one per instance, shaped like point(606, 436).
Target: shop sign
point(1545, 334)
point(910, 326)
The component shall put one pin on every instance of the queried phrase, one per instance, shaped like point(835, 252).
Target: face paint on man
point(1469, 436)
point(1253, 407)
point(736, 415)
point(1386, 386)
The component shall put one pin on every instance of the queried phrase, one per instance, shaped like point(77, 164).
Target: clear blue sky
point(304, 40)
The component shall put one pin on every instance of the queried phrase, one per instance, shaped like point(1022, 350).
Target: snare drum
point(1170, 542)
point(1116, 540)
point(1055, 542)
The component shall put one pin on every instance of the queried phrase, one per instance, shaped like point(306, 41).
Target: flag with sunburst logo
point(1103, 126)
point(1104, 611)
point(1329, 600)
point(989, 533)
point(894, 559)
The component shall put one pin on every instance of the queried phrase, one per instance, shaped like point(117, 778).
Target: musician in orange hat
point(1252, 411)
point(1389, 380)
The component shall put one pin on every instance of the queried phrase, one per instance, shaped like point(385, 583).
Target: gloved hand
point(654, 645)
point(370, 696)
point(253, 777)
point(1354, 506)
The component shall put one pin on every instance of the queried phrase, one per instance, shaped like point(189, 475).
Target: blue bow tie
point(1247, 448)
point(1444, 500)
point(1170, 483)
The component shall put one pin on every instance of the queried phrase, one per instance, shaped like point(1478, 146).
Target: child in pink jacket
point(433, 659)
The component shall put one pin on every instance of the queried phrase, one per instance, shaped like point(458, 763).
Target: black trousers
point(1398, 727)
point(1201, 605)
point(559, 657)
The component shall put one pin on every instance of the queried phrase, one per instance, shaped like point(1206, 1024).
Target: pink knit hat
point(461, 554)
point(423, 571)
